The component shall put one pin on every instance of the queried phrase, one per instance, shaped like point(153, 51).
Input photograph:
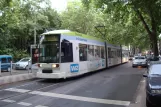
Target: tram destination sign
point(51, 38)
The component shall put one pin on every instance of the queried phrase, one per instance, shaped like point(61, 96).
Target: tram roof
point(72, 33)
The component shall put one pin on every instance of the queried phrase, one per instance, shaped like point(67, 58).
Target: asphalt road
point(15, 72)
point(115, 87)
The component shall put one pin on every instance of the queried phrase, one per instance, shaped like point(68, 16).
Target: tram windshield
point(49, 51)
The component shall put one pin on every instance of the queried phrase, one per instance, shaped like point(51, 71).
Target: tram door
point(66, 51)
point(34, 54)
point(91, 65)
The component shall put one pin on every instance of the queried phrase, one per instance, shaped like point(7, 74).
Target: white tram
point(63, 53)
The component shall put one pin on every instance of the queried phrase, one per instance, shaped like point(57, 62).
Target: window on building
point(82, 52)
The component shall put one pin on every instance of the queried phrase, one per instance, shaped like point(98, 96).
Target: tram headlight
point(54, 66)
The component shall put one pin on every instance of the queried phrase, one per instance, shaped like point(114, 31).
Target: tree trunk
point(155, 44)
point(152, 33)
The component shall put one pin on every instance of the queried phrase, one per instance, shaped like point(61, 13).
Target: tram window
point(102, 52)
point(118, 53)
point(109, 53)
point(112, 54)
point(66, 52)
point(90, 52)
point(97, 51)
point(82, 52)
point(115, 55)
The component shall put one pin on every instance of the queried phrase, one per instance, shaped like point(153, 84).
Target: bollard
point(28, 67)
point(0, 68)
point(11, 68)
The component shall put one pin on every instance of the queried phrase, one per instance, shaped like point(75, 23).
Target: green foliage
point(19, 18)
point(16, 54)
point(80, 19)
point(126, 16)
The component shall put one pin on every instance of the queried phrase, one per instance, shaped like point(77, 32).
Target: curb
point(140, 96)
point(16, 78)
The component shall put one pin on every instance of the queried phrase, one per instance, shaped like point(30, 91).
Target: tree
point(147, 11)
point(78, 18)
point(19, 18)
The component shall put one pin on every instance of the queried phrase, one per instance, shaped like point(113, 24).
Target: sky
point(59, 5)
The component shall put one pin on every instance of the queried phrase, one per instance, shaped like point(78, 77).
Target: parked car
point(131, 57)
point(24, 63)
point(153, 85)
point(139, 61)
point(5, 62)
point(152, 58)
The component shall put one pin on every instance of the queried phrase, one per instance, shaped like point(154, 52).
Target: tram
point(63, 54)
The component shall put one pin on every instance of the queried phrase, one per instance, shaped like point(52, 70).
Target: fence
point(7, 69)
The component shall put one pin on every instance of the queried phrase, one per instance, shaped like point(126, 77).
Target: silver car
point(24, 63)
point(139, 61)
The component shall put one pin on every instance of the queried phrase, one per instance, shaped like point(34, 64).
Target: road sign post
point(10, 68)
point(28, 66)
point(0, 68)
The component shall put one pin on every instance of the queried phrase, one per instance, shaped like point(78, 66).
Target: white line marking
point(95, 100)
point(71, 97)
point(24, 104)
point(17, 90)
point(40, 106)
point(143, 81)
point(9, 101)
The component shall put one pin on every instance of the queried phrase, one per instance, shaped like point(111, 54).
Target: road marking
point(24, 104)
point(40, 106)
point(9, 101)
point(143, 81)
point(17, 90)
point(71, 97)
point(87, 99)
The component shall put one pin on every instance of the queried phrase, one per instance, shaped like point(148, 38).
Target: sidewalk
point(16, 75)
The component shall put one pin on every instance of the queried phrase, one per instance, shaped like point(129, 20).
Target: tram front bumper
point(50, 75)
